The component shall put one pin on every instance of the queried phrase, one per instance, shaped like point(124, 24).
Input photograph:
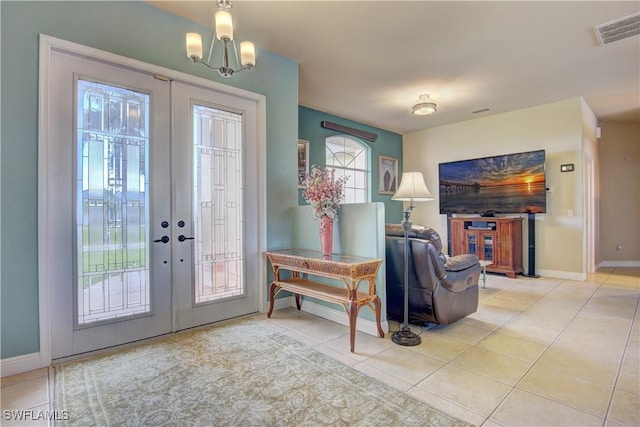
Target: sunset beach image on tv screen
point(506, 184)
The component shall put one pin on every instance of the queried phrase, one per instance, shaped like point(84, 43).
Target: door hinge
point(161, 77)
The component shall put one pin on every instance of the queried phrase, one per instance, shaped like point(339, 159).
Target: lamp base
point(405, 337)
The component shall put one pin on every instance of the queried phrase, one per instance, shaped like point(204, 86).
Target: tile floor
point(538, 352)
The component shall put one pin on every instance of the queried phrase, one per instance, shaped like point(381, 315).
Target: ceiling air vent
point(618, 29)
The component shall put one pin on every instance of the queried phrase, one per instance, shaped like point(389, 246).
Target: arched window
point(350, 158)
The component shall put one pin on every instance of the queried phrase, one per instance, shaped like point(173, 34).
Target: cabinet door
point(457, 240)
point(504, 252)
point(488, 244)
point(472, 243)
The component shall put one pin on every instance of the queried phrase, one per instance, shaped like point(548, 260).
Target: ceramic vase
point(326, 235)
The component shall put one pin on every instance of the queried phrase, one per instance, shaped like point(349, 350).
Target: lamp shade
point(194, 46)
point(224, 25)
point(412, 187)
point(247, 54)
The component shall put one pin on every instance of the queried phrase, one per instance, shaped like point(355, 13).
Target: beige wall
point(620, 193)
point(556, 128)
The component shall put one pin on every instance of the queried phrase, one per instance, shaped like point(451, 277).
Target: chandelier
point(224, 33)
point(425, 107)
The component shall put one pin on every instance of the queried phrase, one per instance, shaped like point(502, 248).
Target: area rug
point(234, 374)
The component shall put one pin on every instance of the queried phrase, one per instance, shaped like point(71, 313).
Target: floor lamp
point(412, 189)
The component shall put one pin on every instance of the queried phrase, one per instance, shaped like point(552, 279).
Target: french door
point(215, 203)
point(151, 201)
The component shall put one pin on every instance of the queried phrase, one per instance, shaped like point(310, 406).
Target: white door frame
point(590, 216)
point(47, 45)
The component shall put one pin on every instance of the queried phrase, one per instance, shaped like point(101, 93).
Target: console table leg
point(298, 301)
point(378, 306)
point(272, 293)
point(353, 315)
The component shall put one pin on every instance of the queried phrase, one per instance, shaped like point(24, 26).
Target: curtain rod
point(351, 131)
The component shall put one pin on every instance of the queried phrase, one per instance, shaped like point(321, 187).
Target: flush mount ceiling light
point(224, 33)
point(424, 108)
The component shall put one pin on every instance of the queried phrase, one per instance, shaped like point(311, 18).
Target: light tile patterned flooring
point(538, 352)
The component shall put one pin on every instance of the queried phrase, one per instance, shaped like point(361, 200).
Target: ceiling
point(369, 61)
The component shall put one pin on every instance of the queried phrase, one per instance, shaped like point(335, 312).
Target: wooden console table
point(350, 270)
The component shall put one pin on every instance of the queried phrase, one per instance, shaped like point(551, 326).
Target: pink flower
point(323, 191)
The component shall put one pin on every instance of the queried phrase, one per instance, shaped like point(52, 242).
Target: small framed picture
point(388, 172)
point(303, 161)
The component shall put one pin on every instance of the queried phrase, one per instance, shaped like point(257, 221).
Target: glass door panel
point(112, 247)
point(217, 203)
point(487, 247)
point(472, 243)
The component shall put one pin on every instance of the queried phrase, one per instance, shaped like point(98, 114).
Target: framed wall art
point(303, 161)
point(388, 173)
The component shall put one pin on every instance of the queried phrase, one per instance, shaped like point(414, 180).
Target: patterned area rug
point(235, 374)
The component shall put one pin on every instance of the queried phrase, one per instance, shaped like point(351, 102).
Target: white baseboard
point(619, 263)
point(362, 325)
point(282, 303)
point(20, 364)
point(568, 275)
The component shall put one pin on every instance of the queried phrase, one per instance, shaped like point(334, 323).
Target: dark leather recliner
point(441, 290)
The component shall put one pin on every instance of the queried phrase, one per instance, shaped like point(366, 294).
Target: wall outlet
point(619, 249)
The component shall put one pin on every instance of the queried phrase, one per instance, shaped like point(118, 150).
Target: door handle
point(164, 239)
point(182, 238)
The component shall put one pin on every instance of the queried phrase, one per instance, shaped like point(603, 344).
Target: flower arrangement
point(323, 191)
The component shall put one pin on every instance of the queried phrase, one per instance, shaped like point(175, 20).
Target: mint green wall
point(387, 144)
point(136, 30)
point(359, 231)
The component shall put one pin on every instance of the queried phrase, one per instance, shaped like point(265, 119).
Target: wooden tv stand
point(350, 270)
point(494, 239)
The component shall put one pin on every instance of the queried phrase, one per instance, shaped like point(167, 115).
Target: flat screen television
point(507, 184)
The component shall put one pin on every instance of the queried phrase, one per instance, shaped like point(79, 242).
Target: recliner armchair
point(441, 290)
